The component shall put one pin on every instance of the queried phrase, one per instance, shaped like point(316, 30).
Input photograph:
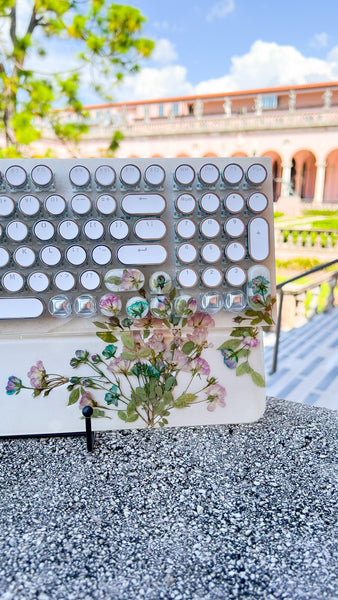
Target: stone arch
point(210, 154)
point(276, 172)
point(303, 174)
point(239, 153)
point(182, 155)
point(331, 177)
point(156, 156)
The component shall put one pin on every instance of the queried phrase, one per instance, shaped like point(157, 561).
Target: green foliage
point(320, 213)
point(278, 214)
point(297, 263)
point(326, 224)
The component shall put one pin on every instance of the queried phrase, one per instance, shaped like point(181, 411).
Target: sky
point(207, 46)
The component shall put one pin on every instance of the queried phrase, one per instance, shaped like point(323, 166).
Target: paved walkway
point(307, 369)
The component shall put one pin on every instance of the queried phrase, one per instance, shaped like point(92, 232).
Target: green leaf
point(100, 325)
point(74, 396)
point(131, 408)
point(184, 400)
point(140, 394)
point(128, 355)
point(243, 353)
point(132, 418)
point(172, 294)
point(250, 313)
point(230, 345)
point(258, 379)
point(243, 368)
point(168, 397)
point(170, 383)
point(267, 319)
point(257, 320)
point(128, 340)
point(188, 347)
point(106, 336)
point(144, 352)
point(184, 321)
point(146, 334)
point(97, 413)
point(122, 415)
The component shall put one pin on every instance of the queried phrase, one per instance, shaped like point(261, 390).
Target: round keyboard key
point(50, 256)
point(7, 206)
point(234, 227)
point(154, 175)
point(110, 305)
point(17, 231)
point(16, 176)
point(211, 253)
point(210, 202)
point(187, 278)
point(119, 229)
point(29, 205)
point(90, 280)
point(235, 251)
point(212, 302)
point(209, 174)
point(137, 307)
point(13, 281)
point(235, 276)
point(186, 229)
point(184, 175)
point(210, 228)
point(150, 229)
point(76, 255)
point(42, 175)
point(79, 176)
point(101, 255)
point(44, 230)
point(64, 281)
point(184, 305)
point(212, 277)
point(160, 282)
point(130, 175)
point(60, 306)
point(234, 203)
point(38, 282)
point(80, 204)
point(94, 229)
point(233, 174)
point(4, 257)
point(106, 204)
point(186, 204)
point(24, 256)
point(85, 306)
point(257, 202)
point(105, 175)
point(55, 205)
point(69, 230)
point(235, 301)
point(256, 174)
point(187, 253)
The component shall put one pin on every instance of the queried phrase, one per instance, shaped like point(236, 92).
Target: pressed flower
point(251, 342)
point(37, 374)
point(112, 397)
point(198, 336)
point(86, 400)
point(119, 365)
point(156, 342)
point(229, 358)
point(13, 386)
point(200, 365)
point(109, 351)
point(110, 304)
point(201, 320)
point(216, 394)
point(132, 279)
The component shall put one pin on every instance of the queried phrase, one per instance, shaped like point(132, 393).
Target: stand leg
point(90, 436)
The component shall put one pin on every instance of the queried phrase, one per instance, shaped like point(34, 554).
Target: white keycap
point(142, 254)
point(79, 176)
point(24, 256)
point(212, 277)
point(150, 229)
point(4, 257)
point(50, 256)
point(13, 281)
point(234, 227)
point(184, 175)
point(38, 282)
point(187, 253)
point(106, 204)
point(55, 204)
point(119, 229)
point(17, 231)
point(256, 174)
point(187, 278)
point(16, 176)
point(186, 204)
point(210, 202)
point(154, 175)
point(29, 205)
point(64, 281)
point(234, 203)
point(233, 174)
point(209, 174)
point(44, 230)
point(210, 228)
point(143, 204)
point(69, 230)
point(42, 175)
point(76, 255)
point(211, 253)
point(94, 229)
point(105, 175)
point(186, 229)
point(101, 255)
point(7, 206)
point(235, 276)
point(257, 202)
point(90, 280)
point(81, 204)
point(258, 236)
point(20, 308)
point(235, 251)
point(130, 175)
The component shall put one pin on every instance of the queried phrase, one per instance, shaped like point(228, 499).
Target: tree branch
point(12, 27)
point(33, 21)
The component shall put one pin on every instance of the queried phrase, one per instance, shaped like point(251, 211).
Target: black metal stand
point(87, 412)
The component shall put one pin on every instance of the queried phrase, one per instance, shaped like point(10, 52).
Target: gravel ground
point(221, 512)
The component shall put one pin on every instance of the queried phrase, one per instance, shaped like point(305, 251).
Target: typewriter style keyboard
point(80, 237)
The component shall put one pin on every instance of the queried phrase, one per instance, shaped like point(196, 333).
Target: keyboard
point(84, 237)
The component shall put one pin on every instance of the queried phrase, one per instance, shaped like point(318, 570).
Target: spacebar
point(20, 308)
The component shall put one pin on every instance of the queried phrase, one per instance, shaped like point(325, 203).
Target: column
point(319, 184)
point(286, 181)
point(258, 105)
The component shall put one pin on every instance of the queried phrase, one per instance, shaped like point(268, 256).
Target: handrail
point(279, 316)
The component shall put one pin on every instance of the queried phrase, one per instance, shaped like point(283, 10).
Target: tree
point(107, 38)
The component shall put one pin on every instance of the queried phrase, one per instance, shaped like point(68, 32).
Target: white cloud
point(320, 40)
point(151, 83)
point(221, 9)
point(164, 52)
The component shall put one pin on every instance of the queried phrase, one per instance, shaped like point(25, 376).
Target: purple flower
point(256, 299)
point(119, 365)
point(86, 400)
point(178, 360)
point(216, 395)
point(201, 320)
point(229, 358)
point(37, 375)
point(251, 342)
point(132, 279)
point(156, 342)
point(13, 386)
point(110, 304)
point(200, 365)
point(198, 336)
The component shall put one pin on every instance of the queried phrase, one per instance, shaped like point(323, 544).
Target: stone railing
point(306, 238)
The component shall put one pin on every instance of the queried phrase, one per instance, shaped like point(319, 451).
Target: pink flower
point(86, 400)
point(251, 342)
point(119, 365)
point(148, 322)
point(198, 336)
point(201, 320)
point(156, 342)
point(216, 394)
point(256, 299)
point(110, 304)
point(200, 365)
point(132, 279)
point(178, 359)
point(37, 374)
